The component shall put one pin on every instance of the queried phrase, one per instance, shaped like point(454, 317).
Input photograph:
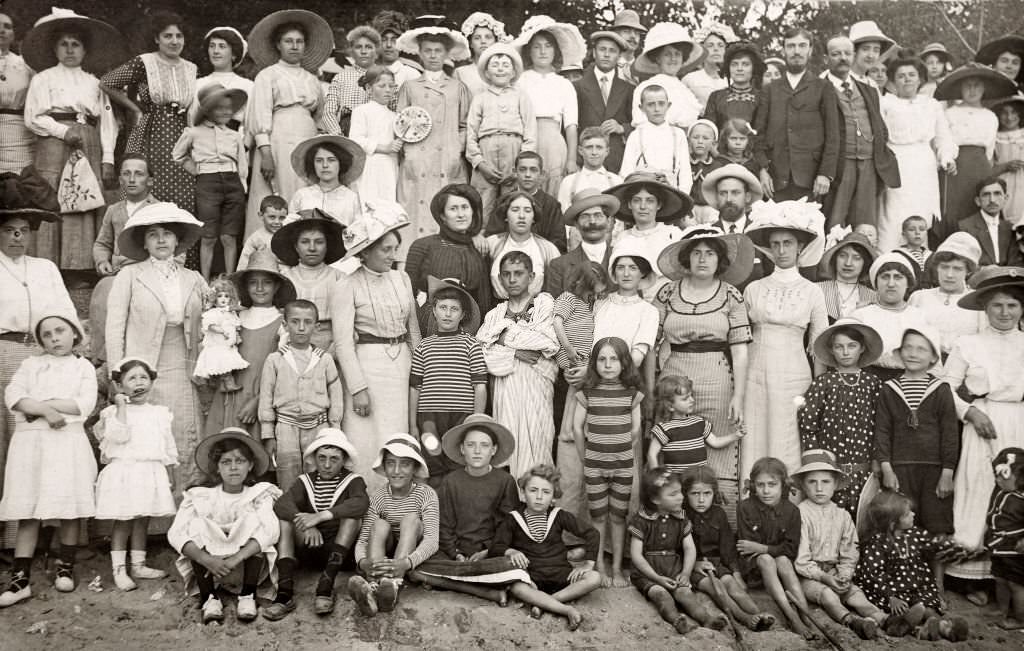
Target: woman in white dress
point(16, 141)
point(373, 129)
point(668, 49)
point(225, 49)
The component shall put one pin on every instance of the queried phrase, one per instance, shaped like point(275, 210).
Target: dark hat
point(739, 251)
point(996, 84)
point(283, 241)
point(436, 284)
point(987, 279)
point(674, 202)
point(210, 95)
point(27, 196)
point(989, 52)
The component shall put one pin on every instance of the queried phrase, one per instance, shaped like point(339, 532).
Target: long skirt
point(919, 197)
point(974, 481)
point(292, 125)
point(972, 165)
point(386, 369)
point(552, 148)
point(12, 354)
point(254, 348)
point(16, 143)
point(523, 403)
point(68, 243)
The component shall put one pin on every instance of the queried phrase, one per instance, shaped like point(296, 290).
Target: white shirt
point(599, 179)
point(69, 90)
point(740, 224)
point(794, 80)
point(992, 223)
point(27, 286)
point(685, 107)
point(594, 252)
point(553, 97)
point(659, 147)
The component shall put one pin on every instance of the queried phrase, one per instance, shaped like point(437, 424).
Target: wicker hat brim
point(106, 50)
point(319, 38)
point(352, 174)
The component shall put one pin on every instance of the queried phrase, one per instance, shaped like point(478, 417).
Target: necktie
point(847, 90)
point(604, 88)
point(732, 228)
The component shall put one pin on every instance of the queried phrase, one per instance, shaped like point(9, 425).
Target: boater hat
point(283, 241)
point(873, 345)
point(106, 47)
point(816, 460)
point(739, 251)
point(452, 439)
point(264, 262)
point(261, 460)
point(996, 84)
point(319, 38)
point(663, 34)
point(709, 186)
point(210, 95)
point(674, 202)
point(335, 438)
point(987, 279)
point(163, 213)
point(586, 199)
point(347, 176)
point(403, 446)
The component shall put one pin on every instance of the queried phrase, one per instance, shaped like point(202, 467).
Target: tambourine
point(413, 124)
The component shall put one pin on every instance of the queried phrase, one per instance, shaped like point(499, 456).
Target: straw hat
point(319, 38)
point(673, 201)
point(586, 199)
point(709, 186)
point(935, 48)
point(607, 35)
point(482, 19)
point(886, 258)
point(739, 251)
point(816, 460)
point(500, 48)
point(734, 50)
point(106, 47)
point(996, 84)
point(242, 44)
point(210, 95)
point(1017, 99)
point(715, 28)
point(129, 242)
point(452, 439)
point(350, 147)
point(336, 438)
point(989, 52)
point(797, 217)
point(434, 284)
point(989, 278)
point(283, 241)
point(261, 460)
point(873, 345)
point(62, 312)
point(403, 446)
point(377, 218)
point(264, 262)
point(423, 25)
point(926, 331)
point(629, 19)
point(570, 42)
point(867, 31)
point(838, 239)
point(666, 34)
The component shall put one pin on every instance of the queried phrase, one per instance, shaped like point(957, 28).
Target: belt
point(12, 111)
point(73, 117)
point(701, 347)
point(17, 337)
point(503, 133)
point(662, 552)
point(366, 338)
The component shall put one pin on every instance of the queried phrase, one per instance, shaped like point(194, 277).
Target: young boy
point(273, 210)
point(915, 236)
point(656, 144)
point(320, 516)
point(917, 439)
point(500, 124)
point(448, 378)
point(300, 393)
point(828, 552)
point(593, 149)
point(547, 221)
point(214, 153)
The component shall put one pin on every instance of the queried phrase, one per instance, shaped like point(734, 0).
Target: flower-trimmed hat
point(264, 262)
point(319, 38)
point(996, 84)
point(663, 34)
point(403, 446)
point(233, 35)
point(586, 199)
point(839, 238)
point(261, 460)
point(350, 147)
point(987, 279)
point(333, 437)
point(434, 284)
point(496, 49)
point(797, 217)
point(709, 186)
point(989, 52)
point(452, 439)
point(187, 227)
point(734, 50)
point(210, 95)
point(63, 312)
point(283, 241)
point(408, 42)
point(570, 42)
point(873, 346)
point(105, 50)
point(377, 218)
point(673, 201)
point(483, 19)
point(818, 460)
point(739, 251)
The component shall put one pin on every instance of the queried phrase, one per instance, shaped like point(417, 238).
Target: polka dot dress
point(895, 566)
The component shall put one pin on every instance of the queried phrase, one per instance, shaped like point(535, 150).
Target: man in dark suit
point(990, 227)
point(592, 213)
point(604, 97)
point(797, 122)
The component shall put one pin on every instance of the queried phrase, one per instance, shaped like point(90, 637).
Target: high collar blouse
point(69, 90)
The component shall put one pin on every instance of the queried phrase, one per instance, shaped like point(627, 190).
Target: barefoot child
point(273, 210)
point(319, 518)
point(606, 427)
point(50, 467)
point(136, 443)
point(219, 358)
point(228, 527)
point(663, 552)
point(678, 440)
point(1005, 535)
point(768, 532)
point(531, 537)
point(716, 572)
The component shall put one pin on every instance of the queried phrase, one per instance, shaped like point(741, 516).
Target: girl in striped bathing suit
point(606, 427)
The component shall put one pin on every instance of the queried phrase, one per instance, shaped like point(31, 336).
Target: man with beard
point(627, 25)
point(866, 164)
point(797, 122)
point(732, 189)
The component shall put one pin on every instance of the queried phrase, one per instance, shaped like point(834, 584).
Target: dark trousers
point(855, 195)
point(220, 204)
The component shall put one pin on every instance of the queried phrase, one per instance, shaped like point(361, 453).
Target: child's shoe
point(65, 581)
point(213, 610)
point(122, 580)
point(865, 627)
point(897, 626)
point(954, 629)
point(246, 609)
point(323, 602)
point(19, 590)
point(141, 571)
point(364, 594)
point(387, 594)
point(278, 610)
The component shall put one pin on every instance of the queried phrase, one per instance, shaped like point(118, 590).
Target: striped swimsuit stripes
point(608, 451)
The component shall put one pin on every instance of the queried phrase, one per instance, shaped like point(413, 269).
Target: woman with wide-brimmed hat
point(482, 30)
point(154, 312)
point(1006, 55)
point(290, 45)
point(668, 50)
point(225, 49)
point(714, 38)
point(71, 115)
point(330, 164)
point(844, 270)
point(744, 68)
point(784, 308)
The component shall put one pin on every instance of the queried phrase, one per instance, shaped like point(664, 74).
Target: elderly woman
point(845, 265)
point(482, 30)
point(345, 93)
point(225, 49)
point(518, 210)
point(987, 368)
point(737, 101)
point(154, 312)
point(330, 164)
point(668, 49)
point(17, 148)
point(714, 38)
point(286, 98)
point(375, 331)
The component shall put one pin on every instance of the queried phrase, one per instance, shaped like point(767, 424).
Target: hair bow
point(836, 235)
point(1005, 470)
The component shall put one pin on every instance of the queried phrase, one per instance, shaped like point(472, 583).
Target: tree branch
point(956, 30)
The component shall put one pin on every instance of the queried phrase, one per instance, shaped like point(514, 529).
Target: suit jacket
point(1009, 252)
point(798, 131)
point(559, 268)
point(104, 249)
point(763, 265)
point(886, 168)
point(593, 111)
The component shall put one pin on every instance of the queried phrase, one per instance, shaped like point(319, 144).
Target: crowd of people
point(383, 306)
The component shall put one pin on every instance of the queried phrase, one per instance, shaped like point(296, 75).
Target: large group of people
point(383, 306)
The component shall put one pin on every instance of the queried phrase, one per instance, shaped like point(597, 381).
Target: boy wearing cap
point(320, 514)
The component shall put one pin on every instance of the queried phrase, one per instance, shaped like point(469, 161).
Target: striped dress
point(578, 323)
point(608, 459)
point(421, 501)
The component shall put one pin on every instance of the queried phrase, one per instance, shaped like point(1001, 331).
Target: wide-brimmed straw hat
point(496, 49)
point(130, 241)
point(674, 202)
point(210, 95)
point(989, 52)
point(797, 217)
point(988, 279)
point(27, 196)
point(839, 239)
point(403, 446)
point(423, 25)
point(570, 42)
point(106, 47)
point(377, 218)
point(319, 38)
point(586, 199)
point(350, 147)
point(65, 312)
point(335, 438)
point(886, 258)
point(873, 346)
point(663, 34)
point(709, 186)
point(628, 18)
point(261, 460)
point(264, 262)
point(471, 323)
point(242, 43)
point(816, 460)
point(734, 50)
point(739, 251)
point(283, 241)
point(996, 84)
point(867, 31)
point(452, 439)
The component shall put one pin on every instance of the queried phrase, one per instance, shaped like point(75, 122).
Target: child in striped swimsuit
point(606, 427)
point(679, 437)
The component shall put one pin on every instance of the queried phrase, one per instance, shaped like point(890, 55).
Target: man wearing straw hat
point(627, 26)
point(869, 45)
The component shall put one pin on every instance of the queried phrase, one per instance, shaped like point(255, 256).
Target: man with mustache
point(627, 25)
point(732, 189)
point(990, 226)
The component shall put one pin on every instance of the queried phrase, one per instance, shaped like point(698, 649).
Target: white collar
point(794, 80)
point(991, 220)
point(595, 252)
point(787, 275)
point(740, 224)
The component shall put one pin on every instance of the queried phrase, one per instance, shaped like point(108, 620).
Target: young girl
point(768, 528)
point(50, 466)
point(1005, 535)
point(717, 570)
point(372, 128)
point(574, 313)
point(531, 537)
point(136, 443)
point(894, 572)
point(735, 145)
point(1009, 156)
point(228, 527)
point(606, 427)
point(949, 268)
point(838, 410)
point(219, 357)
point(677, 441)
point(702, 137)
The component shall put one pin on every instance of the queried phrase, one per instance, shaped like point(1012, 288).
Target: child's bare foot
point(717, 623)
point(684, 625)
point(606, 580)
point(620, 580)
point(575, 619)
point(761, 622)
point(805, 631)
point(1011, 624)
point(535, 612)
point(503, 599)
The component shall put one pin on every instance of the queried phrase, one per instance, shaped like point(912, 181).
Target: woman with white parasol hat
point(668, 50)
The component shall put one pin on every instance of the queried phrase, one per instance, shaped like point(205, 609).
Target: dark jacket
point(593, 111)
point(550, 552)
point(559, 268)
point(350, 500)
point(929, 435)
point(976, 227)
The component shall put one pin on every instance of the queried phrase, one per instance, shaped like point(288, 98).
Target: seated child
point(531, 537)
point(656, 144)
point(399, 529)
point(1005, 535)
point(716, 572)
point(228, 527)
point(679, 438)
point(663, 552)
point(273, 210)
point(320, 516)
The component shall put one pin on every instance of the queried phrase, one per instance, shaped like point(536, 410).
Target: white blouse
point(990, 364)
point(629, 318)
point(948, 318)
point(278, 86)
point(552, 95)
point(69, 90)
point(27, 286)
point(973, 126)
point(920, 120)
point(50, 377)
point(341, 203)
point(701, 84)
point(167, 272)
